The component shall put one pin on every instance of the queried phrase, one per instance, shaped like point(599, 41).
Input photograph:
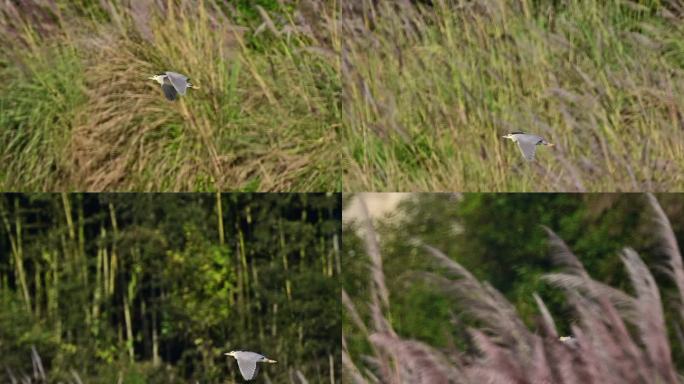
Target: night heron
point(527, 143)
point(569, 341)
point(173, 84)
point(247, 362)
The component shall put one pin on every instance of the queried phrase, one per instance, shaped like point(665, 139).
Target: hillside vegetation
point(77, 111)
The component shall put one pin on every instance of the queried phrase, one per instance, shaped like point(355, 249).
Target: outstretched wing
point(180, 82)
point(527, 148)
point(169, 91)
point(248, 369)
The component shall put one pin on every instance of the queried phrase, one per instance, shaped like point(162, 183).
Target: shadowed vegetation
point(155, 288)
point(430, 89)
point(415, 314)
point(78, 112)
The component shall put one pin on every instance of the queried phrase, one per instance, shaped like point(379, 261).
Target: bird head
point(510, 135)
point(158, 78)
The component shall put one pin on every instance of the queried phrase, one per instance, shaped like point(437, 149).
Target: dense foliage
point(155, 288)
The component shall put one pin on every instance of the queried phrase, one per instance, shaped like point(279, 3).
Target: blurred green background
point(154, 288)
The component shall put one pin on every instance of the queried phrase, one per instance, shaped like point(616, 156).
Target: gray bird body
point(173, 84)
point(247, 362)
point(527, 143)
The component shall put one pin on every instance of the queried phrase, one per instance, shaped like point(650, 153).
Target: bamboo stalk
point(114, 257)
point(156, 360)
point(129, 327)
point(39, 294)
point(81, 242)
point(219, 210)
point(67, 213)
point(283, 252)
point(336, 253)
point(332, 368)
point(17, 251)
point(97, 293)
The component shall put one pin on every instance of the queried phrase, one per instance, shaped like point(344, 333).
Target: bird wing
point(248, 369)
point(527, 148)
point(169, 91)
point(178, 81)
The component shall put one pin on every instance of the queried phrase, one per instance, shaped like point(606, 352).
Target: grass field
point(77, 111)
point(430, 90)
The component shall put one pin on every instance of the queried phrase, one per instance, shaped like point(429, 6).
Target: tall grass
point(79, 112)
point(430, 90)
point(619, 337)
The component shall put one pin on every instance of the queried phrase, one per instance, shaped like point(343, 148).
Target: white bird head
point(158, 78)
point(511, 135)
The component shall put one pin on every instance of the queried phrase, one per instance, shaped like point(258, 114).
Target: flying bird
point(569, 341)
point(247, 362)
point(173, 84)
point(527, 143)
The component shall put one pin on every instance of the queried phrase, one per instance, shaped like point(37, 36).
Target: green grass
point(38, 107)
point(80, 114)
point(430, 91)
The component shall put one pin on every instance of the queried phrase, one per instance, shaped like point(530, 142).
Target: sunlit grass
point(81, 114)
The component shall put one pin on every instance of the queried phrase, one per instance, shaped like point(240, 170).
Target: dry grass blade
point(418, 362)
point(497, 364)
point(351, 311)
point(595, 290)
point(562, 255)
point(483, 301)
point(38, 371)
point(350, 368)
point(380, 294)
point(547, 320)
point(670, 248)
point(651, 323)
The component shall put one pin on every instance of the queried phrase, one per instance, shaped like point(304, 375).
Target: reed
point(620, 337)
